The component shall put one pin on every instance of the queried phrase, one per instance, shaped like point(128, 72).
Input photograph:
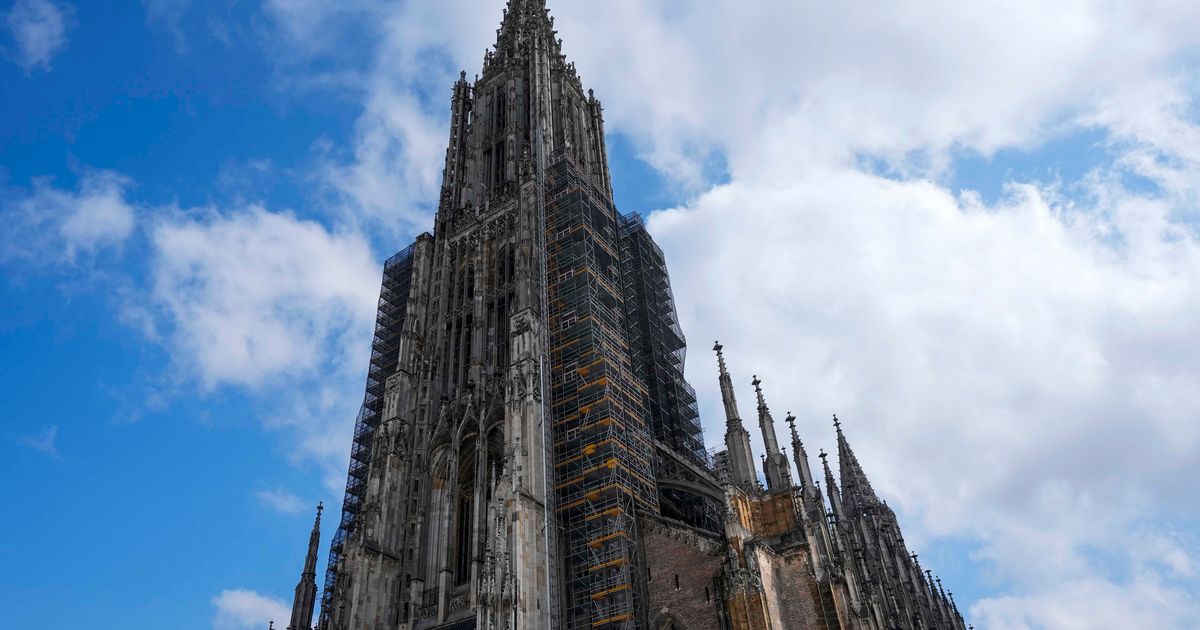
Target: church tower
point(503, 452)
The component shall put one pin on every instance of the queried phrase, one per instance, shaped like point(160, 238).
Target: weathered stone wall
point(683, 568)
point(788, 588)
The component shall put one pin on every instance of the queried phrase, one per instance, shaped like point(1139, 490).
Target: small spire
point(775, 466)
point(799, 455)
point(271, 625)
point(737, 440)
point(835, 497)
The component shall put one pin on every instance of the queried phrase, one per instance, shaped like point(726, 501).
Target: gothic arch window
point(435, 533)
point(464, 497)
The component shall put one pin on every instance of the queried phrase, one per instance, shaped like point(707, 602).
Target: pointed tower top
point(796, 442)
point(528, 17)
point(737, 440)
point(835, 498)
point(856, 488)
point(777, 474)
point(717, 347)
point(310, 560)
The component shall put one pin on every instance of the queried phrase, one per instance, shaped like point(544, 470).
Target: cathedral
point(529, 456)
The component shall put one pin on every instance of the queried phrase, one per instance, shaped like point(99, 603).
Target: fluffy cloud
point(254, 295)
point(275, 304)
point(240, 608)
point(49, 225)
point(1014, 373)
point(1089, 604)
point(39, 29)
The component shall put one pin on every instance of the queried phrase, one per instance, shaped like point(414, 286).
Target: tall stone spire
point(857, 492)
point(737, 439)
point(306, 590)
point(835, 497)
point(775, 466)
point(801, 456)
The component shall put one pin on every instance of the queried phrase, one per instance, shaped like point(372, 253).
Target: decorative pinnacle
point(837, 424)
point(822, 455)
point(717, 347)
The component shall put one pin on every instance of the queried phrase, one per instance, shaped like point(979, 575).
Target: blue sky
point(971, 234)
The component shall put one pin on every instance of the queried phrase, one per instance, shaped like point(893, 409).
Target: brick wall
point(789, 590)
point(683, 568)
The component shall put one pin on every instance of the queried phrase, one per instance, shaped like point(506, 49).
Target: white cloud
point(275, 304)
point(281, 501)
point(1091, 604)
point(44, 442)
point(39, 28)
point(50, 226)
point(253, 296)
point(241, 608)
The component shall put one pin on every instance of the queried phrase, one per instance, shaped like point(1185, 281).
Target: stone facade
point(528, 455)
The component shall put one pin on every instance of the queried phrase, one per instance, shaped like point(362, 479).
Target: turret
point(306, 590)
point(775, 465)
point(737, 439)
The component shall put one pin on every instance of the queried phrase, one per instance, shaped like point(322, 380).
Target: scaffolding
point(657, 354)
point(656, 342)
point(389, 328)
point(602, 448)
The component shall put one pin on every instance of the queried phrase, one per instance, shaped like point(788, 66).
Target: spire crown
point(762, 402)
point(717, 347)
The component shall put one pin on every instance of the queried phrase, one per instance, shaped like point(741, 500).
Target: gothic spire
point(306, 590)
point(835, 497)
point(737, 439)
point(765, 421)
point(856, 489)
point(779, 477)
point(800, 455)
